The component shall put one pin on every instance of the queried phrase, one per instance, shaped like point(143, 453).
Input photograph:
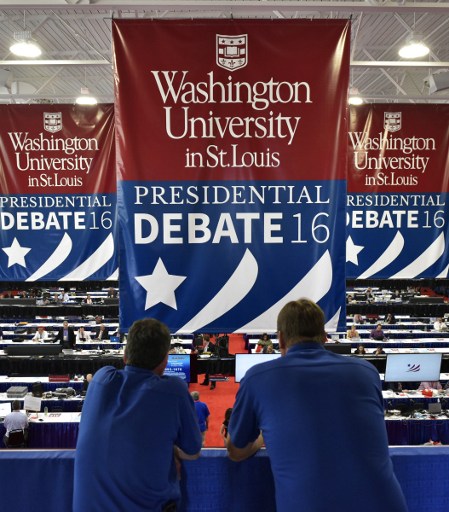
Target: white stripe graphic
point(388, 256)
point(95, 261)
point(113, 276)
point(444, 273)
point(314, 285)
point(59, 255)
point(424, 261)
point(236, 288)
point(332, 324)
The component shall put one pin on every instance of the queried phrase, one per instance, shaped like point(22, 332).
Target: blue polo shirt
point(203, 413)
point(322, 419)
point(130, 422)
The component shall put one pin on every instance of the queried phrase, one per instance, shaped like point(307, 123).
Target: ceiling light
point(354, 97)
point(414, 48)
point(85, 98)
point(25, 46)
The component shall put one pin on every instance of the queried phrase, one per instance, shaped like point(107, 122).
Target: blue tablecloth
point(49, 435)
point(417, 432)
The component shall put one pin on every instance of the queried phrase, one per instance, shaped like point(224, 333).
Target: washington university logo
point(392, 121)
point(53, 121)
point(232, 51)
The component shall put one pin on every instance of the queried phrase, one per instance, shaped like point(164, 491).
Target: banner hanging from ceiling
point(397, 204)
point(58, 193)
point(231, 140)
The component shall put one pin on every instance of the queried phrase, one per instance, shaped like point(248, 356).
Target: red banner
point(231, 163)
point(58, 184)
point(398, 183)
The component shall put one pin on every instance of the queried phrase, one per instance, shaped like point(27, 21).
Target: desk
point(417, 432)
point(6, 382)
point(76, 364)
point(225, 365)
point(72, 404)
point(404, 334)
point(56, 430)
point(20, 310)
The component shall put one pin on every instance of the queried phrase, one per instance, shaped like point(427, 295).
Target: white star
point(16, 253)
point(160, 286)
point(352, 251)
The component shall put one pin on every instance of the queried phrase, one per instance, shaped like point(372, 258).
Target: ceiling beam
point(355, 63)
point(235, 6)
point(398, 64)
point(74, 62)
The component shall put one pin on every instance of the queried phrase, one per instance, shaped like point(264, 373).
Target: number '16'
point(320, 232)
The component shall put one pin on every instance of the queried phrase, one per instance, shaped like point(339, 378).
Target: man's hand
point(239, 454)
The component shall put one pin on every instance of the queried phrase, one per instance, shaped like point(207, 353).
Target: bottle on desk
point(45, 411)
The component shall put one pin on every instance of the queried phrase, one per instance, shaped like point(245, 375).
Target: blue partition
point(212, 483)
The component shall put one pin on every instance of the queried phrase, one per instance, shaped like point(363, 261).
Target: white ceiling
point(75, 36)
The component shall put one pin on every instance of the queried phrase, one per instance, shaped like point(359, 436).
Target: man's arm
point(181, 455)
point(239, 454)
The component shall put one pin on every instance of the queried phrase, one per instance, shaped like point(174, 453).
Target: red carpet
point(220, 398)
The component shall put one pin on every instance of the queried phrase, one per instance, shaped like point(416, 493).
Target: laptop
point(434, 408)
point(5, 409)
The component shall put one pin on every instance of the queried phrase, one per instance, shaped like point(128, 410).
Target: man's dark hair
point(301, 320)
point(15, 405)
point(148, 343)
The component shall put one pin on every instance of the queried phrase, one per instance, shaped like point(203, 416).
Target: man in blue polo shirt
point(136, 425)
point(321, 417)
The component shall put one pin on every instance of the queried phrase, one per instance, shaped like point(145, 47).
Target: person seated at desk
point(390, 319)
point(86, 382)
point(66, 336)
point(439, 325)
point(208, 347)
point(112, 293)
point(379, 350)
point(352, 333)
point(358, 319)
point(369, 295)
point(88, 300)
point(395, 386)
point(82, 336)
point(263, 342)
point(360, 350)
point(101, 333)
point(377, 333)
point(15, 420)
point(436, 384)
point(63, 297)
point(269, 349)
point(41, 334)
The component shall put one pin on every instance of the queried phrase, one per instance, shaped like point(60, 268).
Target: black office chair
point(16, 439)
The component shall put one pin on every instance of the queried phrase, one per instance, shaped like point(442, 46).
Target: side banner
point(57, 193)
point(231, 160)
point(397, 203)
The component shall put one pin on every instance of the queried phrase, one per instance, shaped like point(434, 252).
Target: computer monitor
point(52, 349)
point(413, 367)
point(178, 365)
point(338, 348)
point(5, 409)
point(243, 362)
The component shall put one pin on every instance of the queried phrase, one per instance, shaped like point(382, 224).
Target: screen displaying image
point(178, 365)
point(243, 362)
point(413, 367)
